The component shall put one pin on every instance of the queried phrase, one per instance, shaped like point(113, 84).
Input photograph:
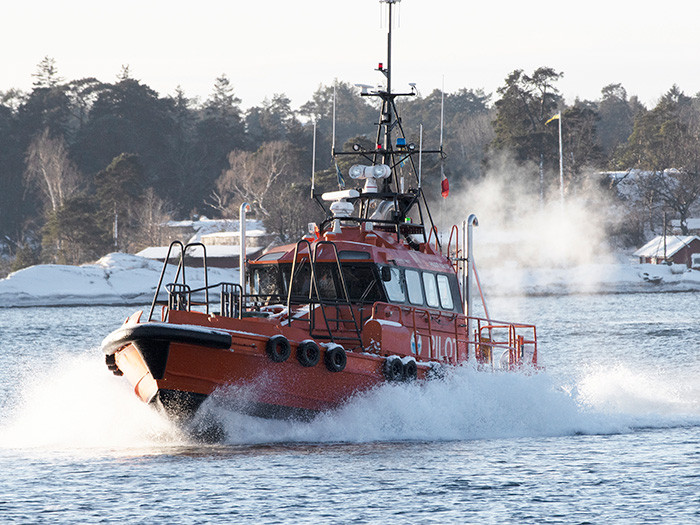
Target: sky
point(279, 46)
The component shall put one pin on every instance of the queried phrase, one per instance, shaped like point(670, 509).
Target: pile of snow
point(116, 279)
point(121, 279)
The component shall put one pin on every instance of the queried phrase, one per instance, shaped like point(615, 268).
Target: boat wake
point(78, 407)
point(470, 405)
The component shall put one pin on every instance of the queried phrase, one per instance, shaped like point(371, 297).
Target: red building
point(676, 249)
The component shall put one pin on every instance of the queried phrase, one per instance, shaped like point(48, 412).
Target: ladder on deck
point(346, 325)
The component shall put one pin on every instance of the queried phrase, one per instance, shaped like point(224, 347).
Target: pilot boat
point(369, 296)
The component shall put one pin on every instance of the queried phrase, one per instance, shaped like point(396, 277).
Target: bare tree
point(49, 168)
point(680, 191)
point(271, 181)
point(151, 217)
point(473, 135)
point(252, 177)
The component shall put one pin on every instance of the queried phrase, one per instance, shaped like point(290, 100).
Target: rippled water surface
point(609, 432)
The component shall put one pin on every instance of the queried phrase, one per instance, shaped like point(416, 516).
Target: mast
point(387, 158)
point(389, 100)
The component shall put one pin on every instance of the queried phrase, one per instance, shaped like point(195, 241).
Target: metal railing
point(180, 278)
point(519, 340)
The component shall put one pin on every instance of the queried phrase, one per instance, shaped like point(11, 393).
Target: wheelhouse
point(367, 282)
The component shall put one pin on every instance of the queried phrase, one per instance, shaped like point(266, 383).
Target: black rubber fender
point(110, 361)
point(393, 369)
point(410, 371)
point(308, 354)
point(278, 348)
point(335, 359)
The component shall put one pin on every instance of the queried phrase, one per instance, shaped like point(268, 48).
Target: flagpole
point(561, 165)
point(561, 159)
point(313, 164)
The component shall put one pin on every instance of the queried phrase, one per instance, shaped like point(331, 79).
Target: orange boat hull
point(275, 389)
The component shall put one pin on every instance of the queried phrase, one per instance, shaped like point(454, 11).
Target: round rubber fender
point(278, 348)
point(410, 371)
point(393, 369)
point(335, 359)
point(308, 353)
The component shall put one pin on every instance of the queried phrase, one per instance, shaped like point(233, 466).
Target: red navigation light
point(380, 66)
point(379, 146)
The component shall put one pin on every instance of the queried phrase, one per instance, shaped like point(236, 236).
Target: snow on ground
point(590, 278)
point(116, 279)
point(121, 279)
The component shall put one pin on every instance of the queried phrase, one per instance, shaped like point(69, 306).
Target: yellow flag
point(555, 117)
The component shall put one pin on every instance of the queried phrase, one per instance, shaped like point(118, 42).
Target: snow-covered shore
point(116, 279)
point(601, 278)
point(121, 279)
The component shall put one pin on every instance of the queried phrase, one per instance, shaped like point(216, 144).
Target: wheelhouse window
point(365, 282)
point(326, 282)
point(393, 287)
point(445, 293)
point(353, 255)
point(272, 256)
point(431, 293)
point(265, 280)
point(301, 282)
point(362, 281)
point(413, 287)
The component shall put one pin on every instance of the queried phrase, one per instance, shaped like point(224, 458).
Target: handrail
point(181, 266)
point(292, 273)
point(407, 315)
point(515, 343)
point(227, 306)
point(437, 239)
point(162, 274)
point(454, 232)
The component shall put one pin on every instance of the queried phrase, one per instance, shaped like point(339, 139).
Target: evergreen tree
point(270, 122)
point(526, 103)
point(129, 117)
point(581, 146)
point(616, 118)
point(16, 207)
point(118, 192)
point(220, 131)
point(72, 235)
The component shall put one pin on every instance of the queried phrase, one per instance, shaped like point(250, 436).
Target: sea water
point(608, 432)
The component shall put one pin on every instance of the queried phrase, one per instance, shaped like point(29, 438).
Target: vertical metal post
point(313, 163)
point(471, 222)
point(245, 207)
point(115, 229)
point(561, 166)
point(420, 155)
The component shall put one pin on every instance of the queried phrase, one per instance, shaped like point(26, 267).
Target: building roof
point(674, 243)
point(234, 235)
point(224, 250)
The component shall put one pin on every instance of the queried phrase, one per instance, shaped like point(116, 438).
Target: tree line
point(88, 167)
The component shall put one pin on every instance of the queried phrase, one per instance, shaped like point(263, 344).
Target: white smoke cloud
point(522, 233)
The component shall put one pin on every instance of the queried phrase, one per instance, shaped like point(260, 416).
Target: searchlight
point(370, 174)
